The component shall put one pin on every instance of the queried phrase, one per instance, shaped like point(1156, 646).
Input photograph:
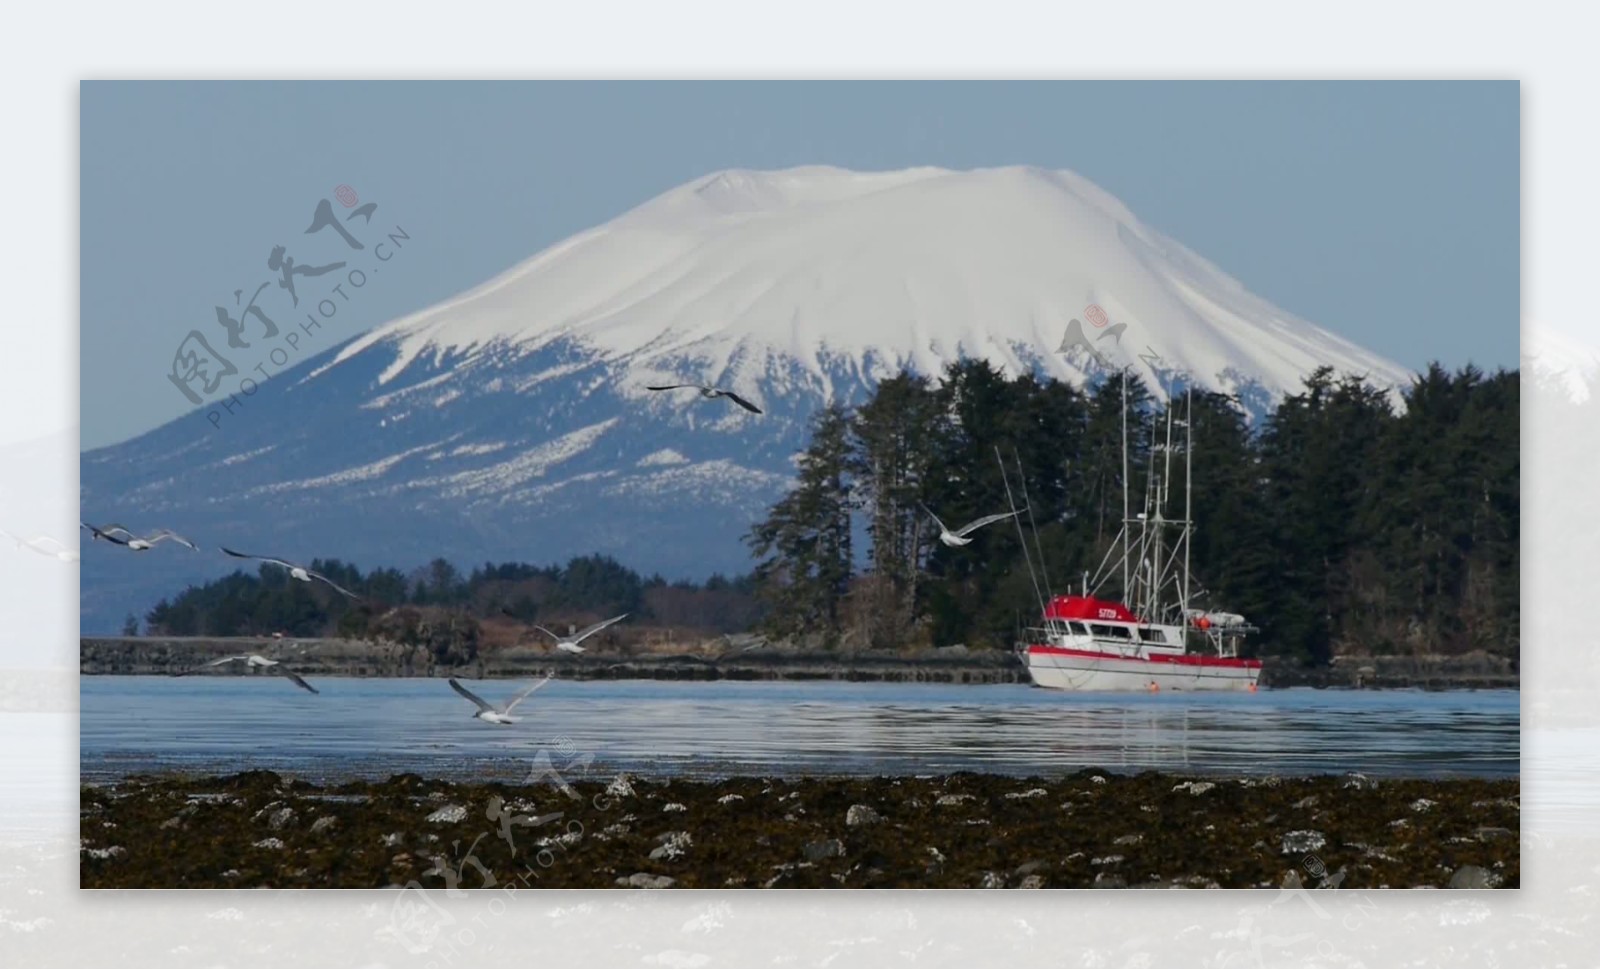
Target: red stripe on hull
point(1181, 659)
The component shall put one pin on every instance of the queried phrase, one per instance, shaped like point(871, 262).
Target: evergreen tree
point(803, 547)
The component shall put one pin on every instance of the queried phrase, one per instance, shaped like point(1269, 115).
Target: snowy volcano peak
point(748, 278)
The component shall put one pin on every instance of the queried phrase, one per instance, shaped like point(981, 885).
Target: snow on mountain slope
point(511, 422)
point(737, 276)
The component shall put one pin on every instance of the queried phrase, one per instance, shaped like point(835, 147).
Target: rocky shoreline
point(1092, 829)
point(948, 665)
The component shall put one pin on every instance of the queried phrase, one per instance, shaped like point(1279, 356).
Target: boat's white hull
point(1065, 669)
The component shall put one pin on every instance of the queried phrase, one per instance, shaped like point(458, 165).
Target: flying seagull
point(134, 542)
point(962, 536)
point(708, 393)
point(44, 546)
point(298, 572)
point(487, 712)
point(254, 660)
point(570, 643)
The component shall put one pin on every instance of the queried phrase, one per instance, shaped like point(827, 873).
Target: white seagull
point(486, 711)
point(134, 542)
point(298, 572)
point(44, 546)
point(962, 536)
point(708, 393)
point(570, 643)
point(256, 660)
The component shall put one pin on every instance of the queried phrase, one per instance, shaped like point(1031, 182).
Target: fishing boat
point(1153, 638)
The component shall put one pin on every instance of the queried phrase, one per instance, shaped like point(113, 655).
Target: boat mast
point(1126, 588)
point(1188, 494)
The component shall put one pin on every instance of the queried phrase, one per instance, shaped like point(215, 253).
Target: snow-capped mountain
point(512, 421)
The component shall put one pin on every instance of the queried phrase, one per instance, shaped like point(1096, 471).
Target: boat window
point(1152, 635)
point(1116, 632)
point(1079, 629)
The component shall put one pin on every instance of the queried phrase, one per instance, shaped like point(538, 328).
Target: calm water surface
point(370, 727)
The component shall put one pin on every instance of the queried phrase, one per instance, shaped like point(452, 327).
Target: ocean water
point(371, 728)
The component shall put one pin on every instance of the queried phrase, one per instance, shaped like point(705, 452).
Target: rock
point(1195, 787)
point(675, 807)
point(620, 787)
point(954, 650)
point(323, 824)
point(1488, 833)
point(1031, 882)
point(817, 851)
point(1306, 802)
point(272, 843)
point(1029, 868)
point(1097, 779)
point(938, 856)
point(1127, 840)
point(1423, 804)
point(729, 799)
point(110, 852)
point(1474, 877)
point(1304, 840)
point(1291, 880)
point(449, 814)
point(173, 822)
point(1030, 793)
point(646, 880)
point(1109, 860)
point(861, 815)
point(393, 838)
point(952, 799)
point(281, 818)
point(673, 845)
point(1106, 880)
point(992, 880)
point(1356, 780)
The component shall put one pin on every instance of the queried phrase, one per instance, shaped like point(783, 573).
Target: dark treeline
point(585, 588)
point(1340, 525)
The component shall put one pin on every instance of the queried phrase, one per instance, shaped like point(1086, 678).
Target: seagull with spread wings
point(134, 542)
point(570, 643)
point(255, 660)
point(963, 535)
point(709, 393)
point(490, 713)
point(298, 572)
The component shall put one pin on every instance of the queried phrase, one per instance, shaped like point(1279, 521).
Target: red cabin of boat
point(1088, 608)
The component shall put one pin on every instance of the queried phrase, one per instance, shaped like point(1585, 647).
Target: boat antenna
point(1022, 479)
point(1027, 557)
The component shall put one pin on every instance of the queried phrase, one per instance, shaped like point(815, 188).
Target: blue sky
point(1388, 212)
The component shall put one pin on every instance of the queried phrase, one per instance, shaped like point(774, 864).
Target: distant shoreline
point(161, 656)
